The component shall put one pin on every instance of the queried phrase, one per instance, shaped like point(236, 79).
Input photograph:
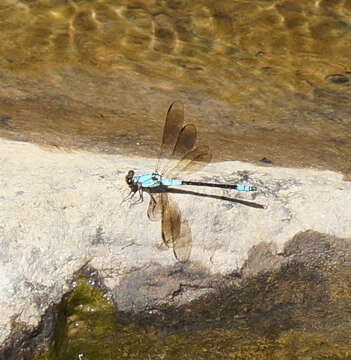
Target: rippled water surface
point(280, 71)
point(293, 43)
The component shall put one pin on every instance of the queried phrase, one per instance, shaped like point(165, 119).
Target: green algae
point(294, 313)
point(85, 325)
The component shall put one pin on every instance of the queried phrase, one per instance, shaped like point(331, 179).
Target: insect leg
point(140, 191)
point(129, 196)
point(141, 196)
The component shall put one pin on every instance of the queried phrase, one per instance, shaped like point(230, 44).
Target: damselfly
point(178, 143)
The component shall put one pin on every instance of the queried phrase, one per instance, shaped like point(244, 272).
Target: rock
point(337, 78)
point(61, 211)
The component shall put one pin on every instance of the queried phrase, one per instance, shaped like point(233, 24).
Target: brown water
point(291, 44)
point(262, 78)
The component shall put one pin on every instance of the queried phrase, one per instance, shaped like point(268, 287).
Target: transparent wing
point(182, 246)
point(185, 142)
point(192, 161)
point(176, 231)
point(171, 220)
point(178, 142)
point(172, 128)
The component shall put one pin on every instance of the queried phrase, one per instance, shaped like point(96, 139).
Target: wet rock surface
point(75, 109)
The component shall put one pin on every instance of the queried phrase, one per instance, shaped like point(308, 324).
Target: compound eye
point(129, 177)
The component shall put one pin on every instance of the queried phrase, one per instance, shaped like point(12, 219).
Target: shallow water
point(265, 79)
point(262, 78)
point(240, 48)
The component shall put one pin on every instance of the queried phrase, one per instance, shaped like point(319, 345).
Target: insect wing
point(173, 126)
point(185, 142)
point(182, 245)
point(193, 161)
point(171, 220)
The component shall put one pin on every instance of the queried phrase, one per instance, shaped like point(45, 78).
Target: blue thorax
point(154, 180)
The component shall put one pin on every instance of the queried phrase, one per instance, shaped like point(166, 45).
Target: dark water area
point(259, 78)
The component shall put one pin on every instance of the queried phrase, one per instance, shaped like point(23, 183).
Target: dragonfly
point(178, 155)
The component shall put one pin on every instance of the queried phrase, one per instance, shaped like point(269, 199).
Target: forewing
point(193, 161)
point(185, 142)
point(171, 220)
point(182, 245)
point(154, 210)
point(173, 126)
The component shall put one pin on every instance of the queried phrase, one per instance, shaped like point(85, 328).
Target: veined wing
point(172, 128)
point(185, 142)
point(178, 142)
point(192, 161)
point(176, 232)
point(182, 246)
point(171, 220)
